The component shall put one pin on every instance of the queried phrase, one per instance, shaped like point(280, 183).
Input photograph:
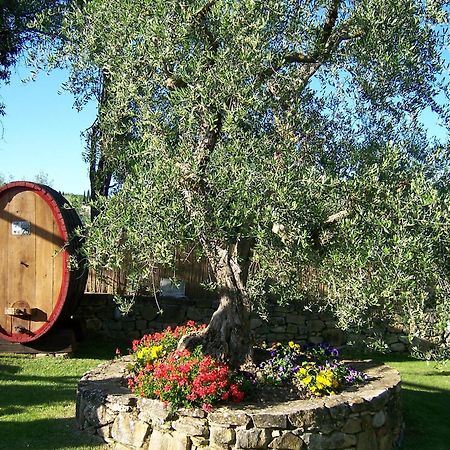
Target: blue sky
point(40, 132)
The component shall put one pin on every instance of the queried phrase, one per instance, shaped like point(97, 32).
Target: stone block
point(278, 329)
point(180, 442)
point(253, 438)
point(191, 426)
point(342, 440)
point(175, 313)
point(192, 412)
point(379, 419)
point(94, 324)
point(376, 397)
point(149, 312)
point(268, 420)
point(367, 440)
point(312, 416)
point(295, 319)
point(199, 442)
point(287, 441)
point(113, 326)
point(152, 411)
point(255, 323)
point(130, 431)
point(119, 446)
point(316, 325)
point(356, 403)
point(339, 410)
point(141, 324)
point(222, 436)
point(230, 416)
point(334, 336)
point(121, 403)
point(292, 329)
point(385, 442)
point(194, 313)
point(97, 415)
point(398, 347)
point(316, 441)
point(104, 432)
point(160, 440)
point(129, 326)
point(352, 425)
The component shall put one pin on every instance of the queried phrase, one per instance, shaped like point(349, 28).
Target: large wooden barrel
point(41, 273)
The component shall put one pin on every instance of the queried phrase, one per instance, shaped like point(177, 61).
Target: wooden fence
point(193, 272)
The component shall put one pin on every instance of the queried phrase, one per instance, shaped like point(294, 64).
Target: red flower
point(207, 407)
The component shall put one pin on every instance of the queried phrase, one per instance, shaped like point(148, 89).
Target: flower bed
point(367, 417)
point(193, 379)
point(180, 378)
point(183, 386)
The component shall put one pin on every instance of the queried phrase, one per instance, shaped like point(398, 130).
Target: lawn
point(37, 400)
point(426, 402)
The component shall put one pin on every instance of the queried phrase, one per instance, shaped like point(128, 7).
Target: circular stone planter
point(365, 418)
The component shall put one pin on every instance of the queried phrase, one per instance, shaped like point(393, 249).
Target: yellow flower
point(322, 381)
point(156, 351)
point(307, 380)
point(148, 354)
point(291, 344)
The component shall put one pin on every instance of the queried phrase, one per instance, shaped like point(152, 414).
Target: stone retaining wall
point(101, 316)
point(366, 418)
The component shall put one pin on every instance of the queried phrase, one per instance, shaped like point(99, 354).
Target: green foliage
point(291, 127)
point(43, 178)
point(81, 205)
point(17, 32)
point(180, 378)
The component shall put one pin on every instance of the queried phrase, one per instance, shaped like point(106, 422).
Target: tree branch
point(330, 21)
point(330, 39)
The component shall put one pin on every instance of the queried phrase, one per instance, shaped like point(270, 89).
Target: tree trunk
point(227, 336)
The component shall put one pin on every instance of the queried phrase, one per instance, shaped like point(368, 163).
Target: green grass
point(37, 400)
point(426, 403)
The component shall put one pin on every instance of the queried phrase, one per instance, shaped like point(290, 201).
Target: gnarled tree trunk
point(227, 336)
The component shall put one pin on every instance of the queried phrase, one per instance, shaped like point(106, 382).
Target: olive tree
point(276, 138)
point(17, 33)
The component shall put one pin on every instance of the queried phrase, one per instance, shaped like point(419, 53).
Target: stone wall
point(101, 316)
point(366, 418)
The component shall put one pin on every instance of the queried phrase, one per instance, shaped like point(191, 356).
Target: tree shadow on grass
point(427, 417)
point(21, 396)
point(95, 347)
point(45, 434)
point(9, 369)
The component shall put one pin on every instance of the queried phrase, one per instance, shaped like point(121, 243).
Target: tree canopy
point(275, 138)
point(17, 33)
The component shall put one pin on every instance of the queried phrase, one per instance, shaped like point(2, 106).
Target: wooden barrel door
point(37, 285)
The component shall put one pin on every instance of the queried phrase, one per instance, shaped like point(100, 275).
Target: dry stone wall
point(100, 315)
point(365, 418)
